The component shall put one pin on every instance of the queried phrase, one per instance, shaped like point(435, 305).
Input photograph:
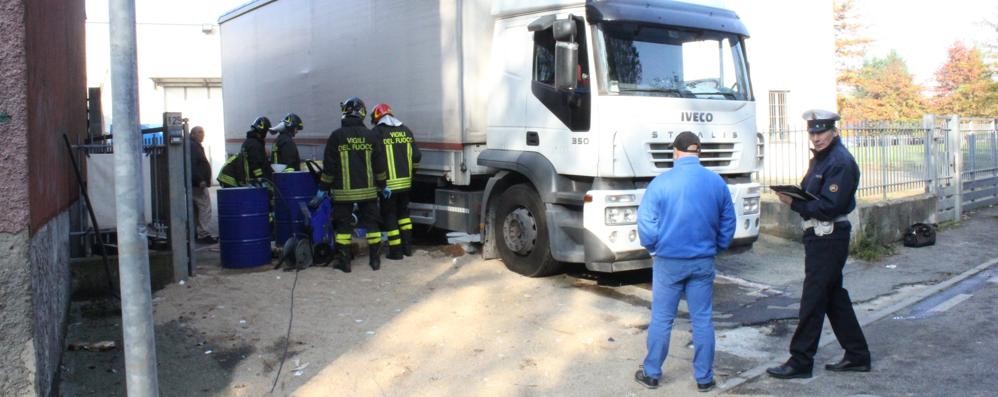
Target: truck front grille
point(712, 155)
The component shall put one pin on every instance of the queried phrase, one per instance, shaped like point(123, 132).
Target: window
point(570, 106)
point(778, 111)
point(673, 62)
point(544, 56)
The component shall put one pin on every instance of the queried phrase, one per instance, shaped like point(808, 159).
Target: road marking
point(949, 303)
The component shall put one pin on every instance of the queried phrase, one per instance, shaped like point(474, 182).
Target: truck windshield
point(676, 62)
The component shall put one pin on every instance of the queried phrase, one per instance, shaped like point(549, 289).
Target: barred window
point(778, 111)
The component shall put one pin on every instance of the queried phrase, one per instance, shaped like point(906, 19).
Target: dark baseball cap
point(687, 142)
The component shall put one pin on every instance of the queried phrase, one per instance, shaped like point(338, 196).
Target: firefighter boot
point(375, 256)
point(407, 242)
point(343, 262)
point(394, 252)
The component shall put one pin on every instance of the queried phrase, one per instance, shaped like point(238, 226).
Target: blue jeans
point(670, 279)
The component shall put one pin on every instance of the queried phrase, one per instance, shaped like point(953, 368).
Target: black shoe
point(706, 387)
point(343, 261)
point(848, 366)
point(645, 380)
point(787, 371)
point(207, 240)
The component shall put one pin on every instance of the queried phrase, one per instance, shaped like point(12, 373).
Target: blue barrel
point(243, 226)
point(293, 188)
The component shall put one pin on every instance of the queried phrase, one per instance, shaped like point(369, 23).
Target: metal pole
point(928, 128)
point(956, 150)
point(133, 253)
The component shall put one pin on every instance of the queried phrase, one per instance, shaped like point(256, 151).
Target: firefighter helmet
point(379, 111)
point(261, 124)
point(353, 107)
point(293, 122)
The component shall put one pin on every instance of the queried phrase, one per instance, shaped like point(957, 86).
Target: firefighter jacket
point(250, 163)
point(353, 163)
point(401, 153)
point(285, 151)
point(256, 155)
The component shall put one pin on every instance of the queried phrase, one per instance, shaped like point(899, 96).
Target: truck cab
point(585, 103)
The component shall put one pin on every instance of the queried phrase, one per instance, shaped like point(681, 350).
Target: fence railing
point(898, 159)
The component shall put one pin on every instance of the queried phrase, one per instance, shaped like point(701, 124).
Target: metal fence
point(898, 159)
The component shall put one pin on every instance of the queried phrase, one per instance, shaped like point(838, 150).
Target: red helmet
point(380, 111)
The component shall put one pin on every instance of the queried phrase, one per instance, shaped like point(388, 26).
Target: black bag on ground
point(920, 235)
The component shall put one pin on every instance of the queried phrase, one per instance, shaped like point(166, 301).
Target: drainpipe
point(133, 253)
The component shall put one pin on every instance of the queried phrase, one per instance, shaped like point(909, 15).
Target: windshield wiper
point(675, 92)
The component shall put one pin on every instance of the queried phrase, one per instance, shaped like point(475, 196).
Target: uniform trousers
point(395, 216)
point(671, 278)
point(824, 258)
point(367, 218)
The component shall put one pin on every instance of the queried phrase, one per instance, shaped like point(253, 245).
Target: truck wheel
point(521, 233)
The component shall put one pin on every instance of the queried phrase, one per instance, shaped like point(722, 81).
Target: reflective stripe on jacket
point(401, 154)
point(353, 163)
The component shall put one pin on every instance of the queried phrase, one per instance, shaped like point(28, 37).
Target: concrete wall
point(885, 221)
point(42, 81)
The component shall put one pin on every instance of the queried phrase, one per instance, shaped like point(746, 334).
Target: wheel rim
point(519, 230)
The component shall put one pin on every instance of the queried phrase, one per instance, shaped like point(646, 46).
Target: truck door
point(558, 114)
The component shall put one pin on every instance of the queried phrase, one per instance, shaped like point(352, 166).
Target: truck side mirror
point(566, 60)
point(563, 29)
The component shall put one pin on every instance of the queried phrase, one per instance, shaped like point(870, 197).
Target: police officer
point(285, 151)
point(251, 162)
point(832, 178)
point(401, 155)
point(354, 171)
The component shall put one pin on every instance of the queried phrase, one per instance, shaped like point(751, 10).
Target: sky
point(922, 32)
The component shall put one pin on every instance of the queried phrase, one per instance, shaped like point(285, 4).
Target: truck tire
point(521, 233)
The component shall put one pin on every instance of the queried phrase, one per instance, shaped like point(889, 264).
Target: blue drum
point(293, 188)
point(243, 227)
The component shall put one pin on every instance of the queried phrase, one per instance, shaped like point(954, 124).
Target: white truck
point(540, 121)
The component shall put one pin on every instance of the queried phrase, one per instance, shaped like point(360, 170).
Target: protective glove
point(386, 192)
point(317, 200)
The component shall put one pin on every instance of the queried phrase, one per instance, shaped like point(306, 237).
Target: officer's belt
point(810, 223)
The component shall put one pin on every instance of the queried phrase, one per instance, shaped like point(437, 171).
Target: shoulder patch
point(833, 188)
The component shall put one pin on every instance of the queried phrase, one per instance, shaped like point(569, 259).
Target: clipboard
point(794, 192)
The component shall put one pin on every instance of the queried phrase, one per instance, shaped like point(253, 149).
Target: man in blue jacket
point(685, 218)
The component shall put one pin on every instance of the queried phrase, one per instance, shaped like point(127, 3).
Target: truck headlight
point(621, 216)
point(750, 205)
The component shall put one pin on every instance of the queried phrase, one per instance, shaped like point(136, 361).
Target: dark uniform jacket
point(256, 155)
point(250, 163)
point(285, 151)
point(833, 177)
point(200, 166)
point(353, 163)
point(401, 155)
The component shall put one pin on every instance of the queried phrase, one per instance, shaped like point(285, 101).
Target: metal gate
point(962, 159)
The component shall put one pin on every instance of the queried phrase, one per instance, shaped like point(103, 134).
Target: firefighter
point(401, 155)
point(285, 151)
point(354, 173)
point(251, 162)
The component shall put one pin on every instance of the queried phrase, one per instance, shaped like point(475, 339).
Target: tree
point(884, 90)
point(850, 46)
point(965, 84)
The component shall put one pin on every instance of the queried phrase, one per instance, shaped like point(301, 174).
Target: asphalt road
point(945, 345)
